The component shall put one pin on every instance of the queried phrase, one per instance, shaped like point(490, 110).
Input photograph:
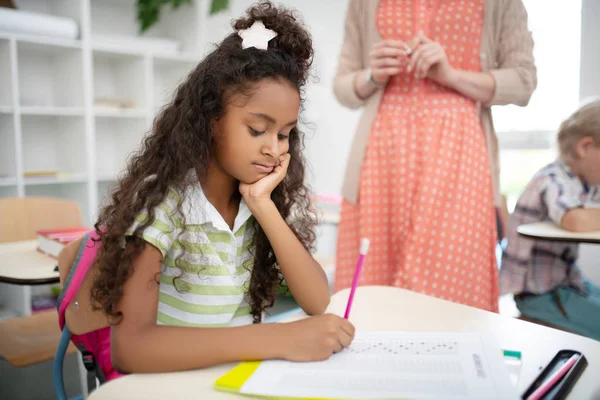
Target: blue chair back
point(57, 367)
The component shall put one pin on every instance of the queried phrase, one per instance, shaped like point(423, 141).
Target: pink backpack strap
point(82, 264)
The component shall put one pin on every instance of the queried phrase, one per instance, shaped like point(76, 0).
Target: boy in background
point(543, 275)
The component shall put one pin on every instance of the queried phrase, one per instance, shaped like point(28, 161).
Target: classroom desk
point(388, 308)
point(547, 230)
point(22, 264)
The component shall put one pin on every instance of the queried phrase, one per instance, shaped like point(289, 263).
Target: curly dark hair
point(181, 139)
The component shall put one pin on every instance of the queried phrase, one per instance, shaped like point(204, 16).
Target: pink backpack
point(94, 345)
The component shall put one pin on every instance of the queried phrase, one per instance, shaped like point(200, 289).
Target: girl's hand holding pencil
point(316, 338)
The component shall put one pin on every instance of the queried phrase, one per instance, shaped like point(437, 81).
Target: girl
point(195, 242)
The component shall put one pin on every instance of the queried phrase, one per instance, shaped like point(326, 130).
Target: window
point(527, 134)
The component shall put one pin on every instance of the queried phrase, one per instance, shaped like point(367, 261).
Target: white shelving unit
point(80, 107)
point(53, 103)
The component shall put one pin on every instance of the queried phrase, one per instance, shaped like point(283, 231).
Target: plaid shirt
point(539, 266)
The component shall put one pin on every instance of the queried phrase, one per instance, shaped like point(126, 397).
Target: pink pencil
point(364, 249)
point(550, 382)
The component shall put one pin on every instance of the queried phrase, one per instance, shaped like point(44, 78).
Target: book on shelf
point(52, 241)
point(110, 104)
point(43, 302)
point(50, 173)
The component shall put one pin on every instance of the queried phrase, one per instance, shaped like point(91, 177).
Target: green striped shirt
point(206, 265)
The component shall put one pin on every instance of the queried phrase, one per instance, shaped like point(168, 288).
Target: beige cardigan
point(506, 52)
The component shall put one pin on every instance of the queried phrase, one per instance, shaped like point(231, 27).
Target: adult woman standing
point(423, 172)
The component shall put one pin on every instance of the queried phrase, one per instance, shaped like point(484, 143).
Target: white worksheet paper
point(394, 365)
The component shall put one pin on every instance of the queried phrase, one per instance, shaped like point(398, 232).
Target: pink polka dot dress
point(425, 197)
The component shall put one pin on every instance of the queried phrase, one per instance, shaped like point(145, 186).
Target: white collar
point(198, 210)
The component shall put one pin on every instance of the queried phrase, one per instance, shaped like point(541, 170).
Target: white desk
point(387, 308)
point(21, 264)
point(549, 231)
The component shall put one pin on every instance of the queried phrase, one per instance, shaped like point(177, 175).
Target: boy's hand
point(581, 219)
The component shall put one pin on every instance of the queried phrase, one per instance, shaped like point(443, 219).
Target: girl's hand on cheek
point(260, 190)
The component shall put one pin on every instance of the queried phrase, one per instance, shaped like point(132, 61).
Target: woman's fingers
point(391, 71)
point(427, 59)
point(417, 54)
point(386, 52)
point(397, 44)
point(386, 62)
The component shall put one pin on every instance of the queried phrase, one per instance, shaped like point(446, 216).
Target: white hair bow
point(256, 36)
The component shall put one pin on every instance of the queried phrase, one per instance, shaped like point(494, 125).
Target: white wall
point(330, 126)
point(590, 49)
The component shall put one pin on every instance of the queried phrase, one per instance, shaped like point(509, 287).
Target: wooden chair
point(22, 217)
point(30, 340)
point(33, 339)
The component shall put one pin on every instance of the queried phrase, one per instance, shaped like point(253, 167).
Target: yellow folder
point(233, 381)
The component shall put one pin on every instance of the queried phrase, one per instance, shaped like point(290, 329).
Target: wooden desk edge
point(28, 281)
point(559, 238)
